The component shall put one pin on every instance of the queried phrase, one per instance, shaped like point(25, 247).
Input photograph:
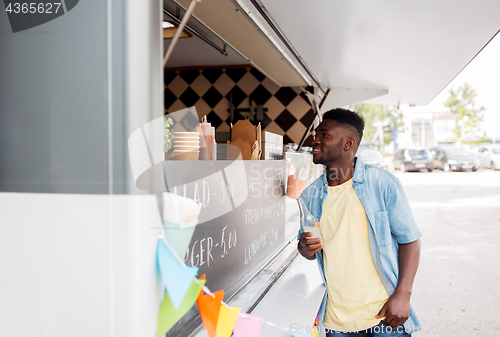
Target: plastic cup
point(187, 138)
point(186, 155)
point(187, 143)
point(186, 134)
point(186, 147)
point(295, 187)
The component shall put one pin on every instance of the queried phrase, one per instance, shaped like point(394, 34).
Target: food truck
point(84, 171)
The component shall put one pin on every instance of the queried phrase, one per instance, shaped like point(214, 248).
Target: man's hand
point(309, 247)
point(396, 310)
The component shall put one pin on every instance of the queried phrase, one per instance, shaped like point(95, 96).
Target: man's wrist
point(403, 292)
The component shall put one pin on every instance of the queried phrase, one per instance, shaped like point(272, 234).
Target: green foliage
point(380, 115)
point(467, 116)
point(167, 135)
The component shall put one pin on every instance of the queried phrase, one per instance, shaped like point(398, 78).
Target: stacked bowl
point(186, 145)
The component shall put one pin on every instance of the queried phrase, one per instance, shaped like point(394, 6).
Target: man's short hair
point(347, 117)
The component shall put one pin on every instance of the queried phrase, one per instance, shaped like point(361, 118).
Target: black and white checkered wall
point(289, 112)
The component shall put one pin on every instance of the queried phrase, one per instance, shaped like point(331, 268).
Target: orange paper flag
point(202, 278)
point(225, 323)
point(209, 308)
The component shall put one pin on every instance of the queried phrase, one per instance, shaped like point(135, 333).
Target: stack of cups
point(186, 145)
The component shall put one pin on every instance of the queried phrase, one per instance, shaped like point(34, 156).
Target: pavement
point(456, 290)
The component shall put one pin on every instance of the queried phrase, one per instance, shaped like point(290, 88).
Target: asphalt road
point(457, 288)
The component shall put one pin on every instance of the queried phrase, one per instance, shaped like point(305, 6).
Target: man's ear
point(349, 143)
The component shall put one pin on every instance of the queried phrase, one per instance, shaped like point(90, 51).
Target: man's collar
point(359, 171)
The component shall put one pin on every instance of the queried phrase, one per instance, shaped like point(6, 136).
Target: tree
point(382, 118)
point(467, 116)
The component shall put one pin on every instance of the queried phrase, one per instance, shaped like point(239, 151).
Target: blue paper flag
point(176, 277)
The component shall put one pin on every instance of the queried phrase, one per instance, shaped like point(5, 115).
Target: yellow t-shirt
point(355, 292)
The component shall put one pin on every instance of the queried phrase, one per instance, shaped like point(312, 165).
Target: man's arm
point(309, 247)
point(397, 308)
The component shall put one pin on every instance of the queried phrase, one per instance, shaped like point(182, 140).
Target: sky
point(483, 74)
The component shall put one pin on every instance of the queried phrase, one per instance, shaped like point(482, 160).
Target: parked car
point(455, 160)
point(372, 156)
point(413, 160)
point(434, 151)
point(489, 156)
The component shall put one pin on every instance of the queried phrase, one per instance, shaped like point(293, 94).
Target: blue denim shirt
point(390, 219)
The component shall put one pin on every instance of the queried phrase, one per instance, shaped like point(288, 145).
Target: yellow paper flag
point(225, 323)
point(209, 308)
point(168, 316)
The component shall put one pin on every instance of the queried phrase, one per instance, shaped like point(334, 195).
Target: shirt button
point(321, 197)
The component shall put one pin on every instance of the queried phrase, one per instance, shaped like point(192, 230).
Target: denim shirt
point(390, 220)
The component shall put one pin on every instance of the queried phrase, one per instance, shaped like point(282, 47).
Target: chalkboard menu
point(241, 224)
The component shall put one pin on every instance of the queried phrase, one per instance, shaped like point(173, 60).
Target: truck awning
point(395, 52)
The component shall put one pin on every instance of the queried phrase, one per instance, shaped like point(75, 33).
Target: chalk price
point(227, 192)
point(202, 251)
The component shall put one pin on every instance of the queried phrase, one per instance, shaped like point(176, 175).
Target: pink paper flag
point(226, 320)
point(248, 326)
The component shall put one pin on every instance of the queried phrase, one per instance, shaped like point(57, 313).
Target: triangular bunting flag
point(315, 332)
point(248, 326)
point(209, 308)
point(226, 320)
point(176, 277)
point(179, 238)
point(168, 316)
point(202, 278)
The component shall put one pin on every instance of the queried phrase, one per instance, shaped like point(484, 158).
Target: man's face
point(329, 141)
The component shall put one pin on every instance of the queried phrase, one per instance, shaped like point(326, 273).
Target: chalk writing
point(256, 215)
point(202, 250)
point(265, 238)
